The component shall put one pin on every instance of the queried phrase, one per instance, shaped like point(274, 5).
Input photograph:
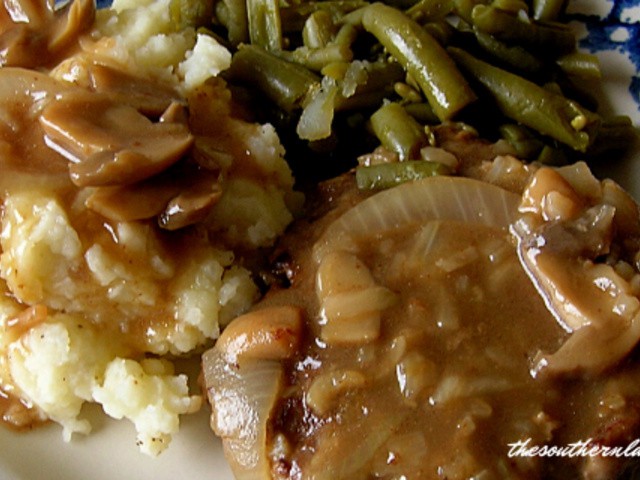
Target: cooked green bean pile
point(338, 78)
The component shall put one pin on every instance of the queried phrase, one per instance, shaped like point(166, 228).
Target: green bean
point(285, 83)
point(615, 133)
point(531, 105)
point(579, 90)
point(189, 13)
point(354, 18)
point(545, 39)
point(398, 131)
point(318, 58)
point(442, 31)
point(400, 4)
point(318, 30)
point(430, 10)
point(548, 10)
point(422, 112)
point(346, 35)
point(553, 87)
point(387, 175)
point(295, 14)
point(580, 64)
point(552, 156)
point(515, 56)
point(526, 145)
point(422, 56)
point(513, 6)
point(265, 28)
point(463, 8)
point(407, 92)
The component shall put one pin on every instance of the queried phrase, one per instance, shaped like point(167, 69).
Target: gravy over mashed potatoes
point(132, 195)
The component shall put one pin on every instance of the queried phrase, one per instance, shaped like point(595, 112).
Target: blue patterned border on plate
point(618, 31)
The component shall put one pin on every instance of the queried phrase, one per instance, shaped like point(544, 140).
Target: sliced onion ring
point(435, 198)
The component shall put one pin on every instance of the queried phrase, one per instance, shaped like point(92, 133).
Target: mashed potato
point(94, 309)
point(144, 36)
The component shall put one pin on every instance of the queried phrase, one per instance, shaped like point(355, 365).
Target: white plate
point(110, 452)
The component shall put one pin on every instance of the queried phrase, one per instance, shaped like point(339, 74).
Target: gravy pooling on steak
point(419, 355)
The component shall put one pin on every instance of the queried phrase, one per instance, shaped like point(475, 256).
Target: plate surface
point(611, 30)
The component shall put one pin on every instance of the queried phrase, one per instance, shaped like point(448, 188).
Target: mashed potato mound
point(95, 309)
point(144, 36)
point(150, 395)
point(65, 361)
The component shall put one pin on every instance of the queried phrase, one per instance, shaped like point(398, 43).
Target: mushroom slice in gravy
point(111, 143)
point(444, 323)
point(34, 34)
point(582, 263)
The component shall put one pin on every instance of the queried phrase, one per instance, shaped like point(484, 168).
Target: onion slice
point(435, 198)
point(242, 396)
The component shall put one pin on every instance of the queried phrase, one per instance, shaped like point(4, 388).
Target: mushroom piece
point(190, 206)
point(180, 197)
point(150, 97)
point(270, 333)
point(139, 201)
point(35, 33)
point(564, 240)
point(111, 143)
point(70, 21)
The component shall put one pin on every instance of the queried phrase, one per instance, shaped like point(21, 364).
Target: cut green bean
point(318, 58)
point(430, 10)
point(615, 134)
point(422, 112)
point(285, 83)
point(515, 56)
point(265, 28)
point(513, 6)
point(387, 175)
point(550, 40)
point(327, 63)
point(398, 131)
point(422, 56)
point(552, 156)
point(464, 8)
point(346, 35)
point(531, 105)
point(442, 31)
point(318, 30)
point(407, 92)
point(525, 144)
point(580, 64)
point(189, 13)
point(548, 10)
point(294, 15)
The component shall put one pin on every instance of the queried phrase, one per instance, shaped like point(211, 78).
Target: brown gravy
point(446, 389)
